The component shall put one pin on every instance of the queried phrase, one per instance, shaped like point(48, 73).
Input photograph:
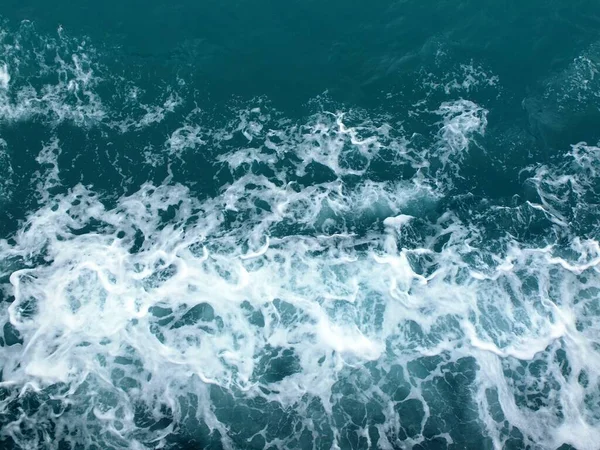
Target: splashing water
point(334, 289)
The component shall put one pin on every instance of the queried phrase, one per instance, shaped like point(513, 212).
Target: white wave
point(188, 304)
point(319, 298)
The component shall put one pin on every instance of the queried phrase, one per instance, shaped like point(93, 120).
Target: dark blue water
point(267, 225)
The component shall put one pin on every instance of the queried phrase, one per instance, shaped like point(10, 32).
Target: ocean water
point(300, 225)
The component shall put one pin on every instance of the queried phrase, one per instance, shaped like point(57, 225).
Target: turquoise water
point(300, 225)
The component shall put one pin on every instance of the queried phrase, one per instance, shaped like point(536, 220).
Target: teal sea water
point(300, 225)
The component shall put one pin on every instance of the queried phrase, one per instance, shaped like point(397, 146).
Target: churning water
point(300, 226)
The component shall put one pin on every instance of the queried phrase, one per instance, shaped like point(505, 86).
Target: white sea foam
point(342, 304)
point(206, 299)
point(464, 79)
point(7, 182)
point(70, 98)
point(4, 76)
point(67, 73)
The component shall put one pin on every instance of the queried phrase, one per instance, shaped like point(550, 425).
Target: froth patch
point(141, 304)
point(4, 76)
